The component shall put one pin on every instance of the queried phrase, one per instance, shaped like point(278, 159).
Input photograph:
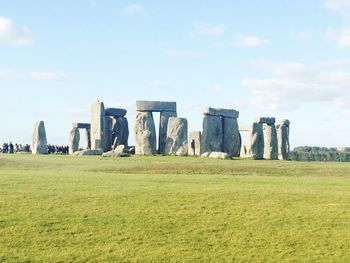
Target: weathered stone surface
point(120, 151)
point(163, 128)
point(157, 106)
point(270, 142)
point(115, 112)
point(266, 120)
point(256, 141)
point(231, 113)
point(145, 134)
point(79, 125)
point(194, 143)
point(89, 152)
point(219, 155)
point(176, 142)
point(231, 137)
point(39, 141)
point(107, 134)
point(120, 132)
point(97, 125)
point(88, 139)
point(74, 140)
point(206, 154)
point(212, 137)
point(283, 140)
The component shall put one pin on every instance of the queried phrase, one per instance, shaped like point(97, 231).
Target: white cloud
point(208, 30)
point(34, 75)
point(289, 85)
point(250, 41)
point(133, 9)
point(337, 5)
point(12, 34)
point(158, 83)
point(184, 53)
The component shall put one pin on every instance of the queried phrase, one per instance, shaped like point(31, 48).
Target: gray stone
point(266, 120)
point(89, 152)
point(115, 112)
point(107, 134)
point(283, 140)
point(74, 140)
point(157, 106)
point(206, 154)
point(97, 125)
point(88, 139)
point(194, 143)
point(231, 113)
point(231, 137)
point(163, 128)
point(120, 132)
point(256, 141)
point(176, 142)
point(212, 136)
point(219, 155)
point(270, 142)
point(145, 134)
point(39, 141)
point(120, 151)
point(81, 125)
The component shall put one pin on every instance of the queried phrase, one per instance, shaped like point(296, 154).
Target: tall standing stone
point(97, 125)
point(120, 132)
point(107, 142)
point(270, 142)
point(163, 127)
point(194, 143)
point(145, 134)
point(74, 140)
point(177, 132)
point(88, 138)
point(283, 139)
point(256, 141)
point(39, 141)
point(231, 137)
point(212, 137)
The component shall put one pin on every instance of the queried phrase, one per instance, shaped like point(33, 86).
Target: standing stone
point(270, 142)
point(88, 138)
point(39, 142)
point(256, 142)
point(194, 143)
point(74, 140)
point(163, 127)
point(283, 139)
point(176, 142)
point(212, 137)
point(145, 134)
point(97, 125)
point(107, 142)
point(120, 132)
point(231, 137)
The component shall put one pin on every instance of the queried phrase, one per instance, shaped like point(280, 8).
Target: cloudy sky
point(288, 59)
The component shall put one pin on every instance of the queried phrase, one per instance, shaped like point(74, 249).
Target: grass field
point(161, 209)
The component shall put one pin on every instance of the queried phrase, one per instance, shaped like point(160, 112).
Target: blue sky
point(288, 59)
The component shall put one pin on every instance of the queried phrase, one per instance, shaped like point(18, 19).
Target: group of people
point(20, 148)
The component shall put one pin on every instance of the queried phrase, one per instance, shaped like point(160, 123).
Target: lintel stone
point(79, 125)
point(115, 112)
point(267, 120)
point(156, 106)
point(230, 113)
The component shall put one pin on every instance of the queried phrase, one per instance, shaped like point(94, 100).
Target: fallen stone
point(145, 134)
point(39, 141)
point(230, 113)
point(157, 106)
point(89, 152)
point(219, 155)
point(120, 151)
point(176, 142)
point(115, 112)
point(212, 136)
point(194, 143)
point(206, 154)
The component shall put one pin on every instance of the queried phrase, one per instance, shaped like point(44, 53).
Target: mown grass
point(161, 209)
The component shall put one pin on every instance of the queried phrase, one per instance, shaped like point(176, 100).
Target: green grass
point(161, 209)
